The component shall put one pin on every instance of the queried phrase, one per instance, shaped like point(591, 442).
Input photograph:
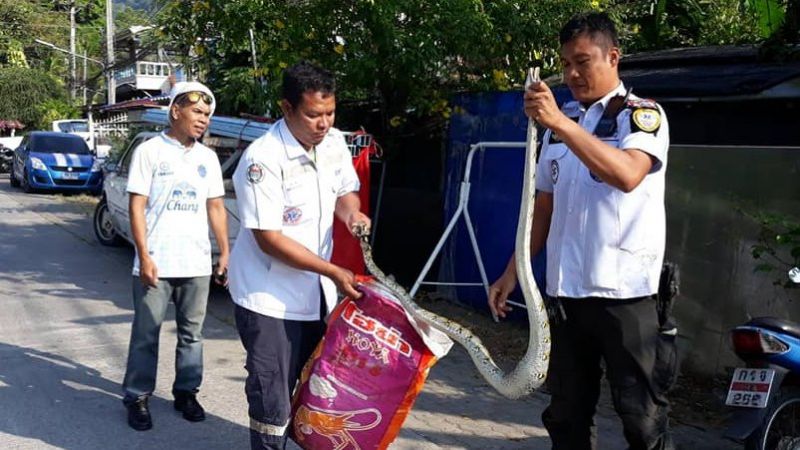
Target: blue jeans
point(190, 296)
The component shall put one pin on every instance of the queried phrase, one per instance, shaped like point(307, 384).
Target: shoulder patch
point(645, 119)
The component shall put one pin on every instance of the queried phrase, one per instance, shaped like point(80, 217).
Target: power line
point(36, 25)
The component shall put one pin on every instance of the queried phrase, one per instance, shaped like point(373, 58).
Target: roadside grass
point(85, 202)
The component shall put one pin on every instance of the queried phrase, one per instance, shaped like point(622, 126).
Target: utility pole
point(85, 59)
point(73, 80)
point(110, 82)
point(84, 77)
point(253, 49)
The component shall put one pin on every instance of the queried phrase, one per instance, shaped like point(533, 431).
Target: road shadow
point(55, 254)
point(53, 400)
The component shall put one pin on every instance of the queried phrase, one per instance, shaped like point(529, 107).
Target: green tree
point(54, 109)
point(404, 56)
point(31, 96)
point(23, 21)
point(659, 24)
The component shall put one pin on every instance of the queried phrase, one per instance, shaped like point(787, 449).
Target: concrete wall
point(710, 237)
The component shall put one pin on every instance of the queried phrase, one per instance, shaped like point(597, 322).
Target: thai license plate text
point(750, 387)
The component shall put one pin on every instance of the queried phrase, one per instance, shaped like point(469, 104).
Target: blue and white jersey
point(602, 241)
point(177, 183)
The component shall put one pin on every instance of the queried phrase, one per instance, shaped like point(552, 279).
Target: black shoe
point(139, 414)
point(186, 402)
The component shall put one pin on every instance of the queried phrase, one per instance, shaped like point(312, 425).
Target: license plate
point(750, 388)
point(70, 175)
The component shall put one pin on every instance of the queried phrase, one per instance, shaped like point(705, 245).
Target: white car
point(111, 220)
point(78, 127)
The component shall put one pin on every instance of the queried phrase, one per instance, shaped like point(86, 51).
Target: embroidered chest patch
point(201, 170)
point(255, 173)
point(292, 215)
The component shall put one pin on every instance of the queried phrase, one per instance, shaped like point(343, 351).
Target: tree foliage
point(23, 21)
point(778, 247)
point(659, 24)
point(403, 58)
point(32, 97)
point(406, 56)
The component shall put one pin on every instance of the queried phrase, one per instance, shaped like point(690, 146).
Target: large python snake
point(531, 370)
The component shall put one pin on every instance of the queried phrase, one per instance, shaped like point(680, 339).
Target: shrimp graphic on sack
point(334, 425)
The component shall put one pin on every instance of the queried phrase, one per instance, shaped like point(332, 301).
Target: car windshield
point(72, 127)
point(59, 144)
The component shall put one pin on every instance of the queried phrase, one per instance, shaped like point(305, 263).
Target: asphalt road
point(65, 314)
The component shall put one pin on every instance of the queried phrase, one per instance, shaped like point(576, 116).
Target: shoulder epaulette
point(637, 103)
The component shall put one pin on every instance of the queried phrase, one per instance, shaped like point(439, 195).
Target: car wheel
point(104, 227)
point(12, 178)
point(26, 183)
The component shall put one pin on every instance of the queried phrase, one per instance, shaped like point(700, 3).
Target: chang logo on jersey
point(183, 197)
point(366, 324)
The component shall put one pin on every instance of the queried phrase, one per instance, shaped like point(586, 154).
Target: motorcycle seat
point(778, 325)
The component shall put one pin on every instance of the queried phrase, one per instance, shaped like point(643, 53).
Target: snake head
point(533, 77)
point(361, 231)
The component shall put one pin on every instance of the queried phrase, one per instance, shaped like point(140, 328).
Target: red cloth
point(346, 248)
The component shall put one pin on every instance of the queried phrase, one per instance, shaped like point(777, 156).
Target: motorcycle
point(6, 158)
point(765, 395)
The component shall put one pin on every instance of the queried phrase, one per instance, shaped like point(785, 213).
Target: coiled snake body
point(531, 370)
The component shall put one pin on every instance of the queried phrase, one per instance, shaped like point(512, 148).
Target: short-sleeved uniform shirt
point(602, 241)
point(282, 187)
point(177, 183)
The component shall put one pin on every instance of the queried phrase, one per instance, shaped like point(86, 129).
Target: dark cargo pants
point(625, 335)
point(277, 350)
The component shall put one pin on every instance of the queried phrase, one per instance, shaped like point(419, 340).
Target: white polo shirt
point(177, 183)
point(602, 241)
point(280, 187)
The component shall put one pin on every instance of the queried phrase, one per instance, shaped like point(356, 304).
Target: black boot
point(139, 414)
point(186, 402)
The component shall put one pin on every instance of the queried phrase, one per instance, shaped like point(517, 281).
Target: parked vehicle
point(111, 220)
point(78, 127)
point(102, 147)
point(765, 395)
point(55, 161)
point(6, 158)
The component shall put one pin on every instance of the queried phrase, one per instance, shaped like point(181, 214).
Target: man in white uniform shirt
point(289, 185)
point(600, 210)
point(175, 187)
